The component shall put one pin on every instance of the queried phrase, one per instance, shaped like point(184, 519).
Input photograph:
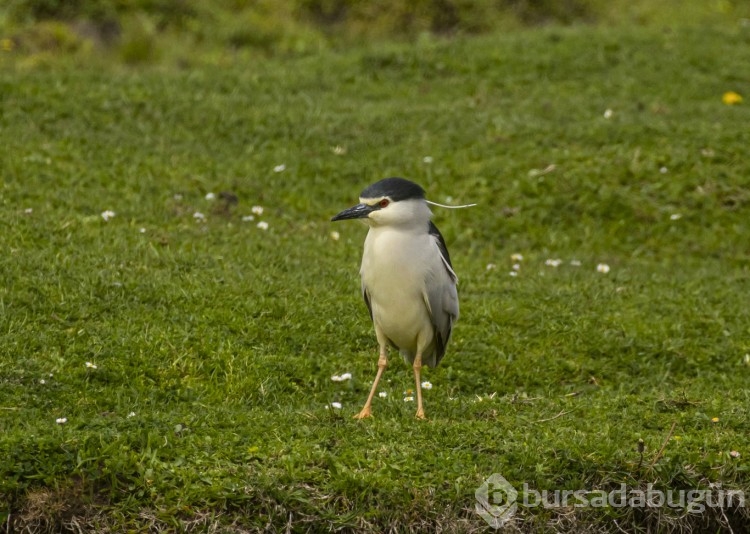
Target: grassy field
point(168, 366)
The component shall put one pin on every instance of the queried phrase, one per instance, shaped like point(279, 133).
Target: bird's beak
point(360, 211)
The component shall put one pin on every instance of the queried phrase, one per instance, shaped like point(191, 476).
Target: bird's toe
point(364, 414)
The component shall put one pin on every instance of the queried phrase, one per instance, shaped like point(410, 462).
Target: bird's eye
point(384, 203)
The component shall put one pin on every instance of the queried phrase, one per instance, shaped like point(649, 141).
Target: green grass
point(220, 338)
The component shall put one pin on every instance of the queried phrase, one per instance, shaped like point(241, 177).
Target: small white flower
point(346, 376)
point(90, 365)
point(663, 170)
point(734, 454)
point(608, 113)
point(491, 266)
point(263, 225)
point(198, 216)
point(602, 268)
point(382, 394)
point(257, 210)
point(427, 160)
point(279, 168)
point(61, 420)
point(248, 218)
point(108, 214)
point(513, 273)
point(575, 263)
point(675, 217)
point(409, 399)
point(142, 230)
point(541, 172)
point(516, 257)
point(42, 381)
point(553, 262)
point(210, 196)
point(341, 378)
point(336, 405)
point(28, 211)
point(131, 414)
point(426, 385)
point(516, 267)
point(335, 235)
point(746, 359)
point(339, 150)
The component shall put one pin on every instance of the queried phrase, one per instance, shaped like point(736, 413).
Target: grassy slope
point(221, 337)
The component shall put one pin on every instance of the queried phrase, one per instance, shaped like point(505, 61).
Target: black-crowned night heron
point(408, 282)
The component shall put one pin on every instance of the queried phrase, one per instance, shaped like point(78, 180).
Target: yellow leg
point(382, 363)
point(417, 368)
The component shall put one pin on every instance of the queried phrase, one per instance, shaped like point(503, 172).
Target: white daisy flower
point(131, 414)
point(553, 262)
point(335, 235)
point(210, 196)
point(90, 365)
point(427, 160)
point(426, 385)
point(602, 268)
point(257, 210)
point(409, 399)
point(382, 394)
point(336, 405)
point(675, 217)
point(61, 420)
point(263, 225)
point(513, 273)
point(608, 113)
point(198, 216)
point(248, 218)
point(516, 257)
point(108, 214)
point(491, 266)
point(339, 150)
point(575, 263)
point(279, 168)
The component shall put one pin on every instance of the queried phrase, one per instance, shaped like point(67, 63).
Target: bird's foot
point(364, 414)
point(420, 414)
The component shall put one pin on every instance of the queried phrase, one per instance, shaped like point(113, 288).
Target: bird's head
point(389, 202)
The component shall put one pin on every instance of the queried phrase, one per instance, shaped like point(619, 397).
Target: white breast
point(395, 266)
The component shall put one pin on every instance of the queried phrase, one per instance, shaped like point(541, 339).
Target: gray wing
point(366, 296)
point(442, 297)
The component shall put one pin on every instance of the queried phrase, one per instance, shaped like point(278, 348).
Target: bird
point(408, 281)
